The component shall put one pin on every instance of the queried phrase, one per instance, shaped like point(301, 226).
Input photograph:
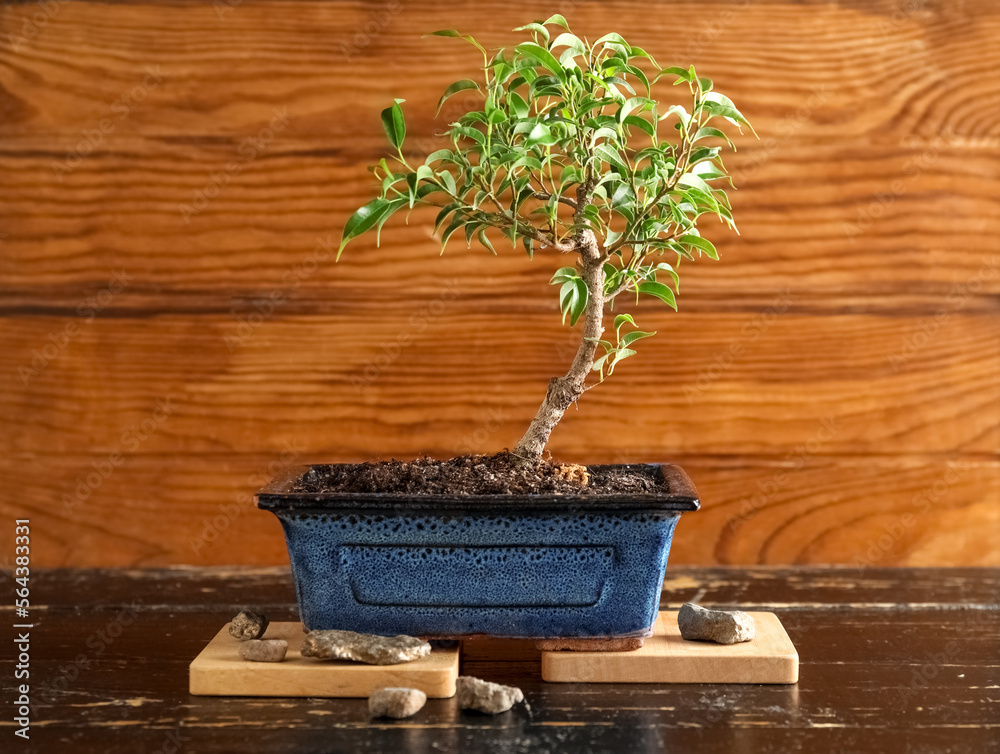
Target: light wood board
point(219, 671)
point(667, 658)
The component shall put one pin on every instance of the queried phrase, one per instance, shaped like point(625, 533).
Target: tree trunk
point(566, 390)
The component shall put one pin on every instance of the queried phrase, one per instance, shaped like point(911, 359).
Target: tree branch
point(545, 196)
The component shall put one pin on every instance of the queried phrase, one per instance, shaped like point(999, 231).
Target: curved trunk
point(566, 390)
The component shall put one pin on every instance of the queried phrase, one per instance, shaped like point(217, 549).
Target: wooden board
point(219, 671)
point(900, 144)
point(667, 658)
point(862, 689)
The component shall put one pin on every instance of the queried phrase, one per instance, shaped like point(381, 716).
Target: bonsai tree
point(569, 152)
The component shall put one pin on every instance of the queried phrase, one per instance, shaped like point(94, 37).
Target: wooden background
point(832, 386)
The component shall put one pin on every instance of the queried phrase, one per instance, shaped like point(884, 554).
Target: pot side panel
point(524, 576)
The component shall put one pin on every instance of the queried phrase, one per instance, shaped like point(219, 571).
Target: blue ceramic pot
point(543, 567)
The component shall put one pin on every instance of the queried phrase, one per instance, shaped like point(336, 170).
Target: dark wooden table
point(894, 660)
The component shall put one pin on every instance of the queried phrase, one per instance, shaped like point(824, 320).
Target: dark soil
point(498, 474)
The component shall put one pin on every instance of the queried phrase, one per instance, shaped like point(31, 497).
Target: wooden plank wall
point(171, 326)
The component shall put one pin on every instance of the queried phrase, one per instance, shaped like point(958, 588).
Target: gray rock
point(248, 625)
point(395, 702)
point(491, 698)
point(722, 627)
point(264, 650)
point(367, 648)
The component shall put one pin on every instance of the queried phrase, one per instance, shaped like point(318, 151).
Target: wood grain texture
point(885, 228)
point(712, 383)
point(891, 660)
point(837, 372)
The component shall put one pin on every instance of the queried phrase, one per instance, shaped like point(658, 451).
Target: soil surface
point(497, 474)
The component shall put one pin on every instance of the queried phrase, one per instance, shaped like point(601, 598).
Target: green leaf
point(641, 123)
point(664, 267)
point(449, 182)
point(604, 133)
point(690, 179)
point(573, 299)
point(611, 156)
point(556, 19)
point(563, 274)
point(452, 33)
point(708, 171)
point(537, 28)
point(440, 155)
point(443, 214)
point(470, 133)
point(393, 206)
point(680, 112)
point(706, 132)
point(518, 105)
point(599, 364)
point(544, 57)
point(364, 220)
point(481, 235)
point(424, 173)
point(702, 244)
point(411, 188)
point(615, 42)
point(392, 122)
point(682, 74)
point(633, 336)
point(619, 355)
point(540, 134)
point(566, 39)
point(621, 319)
point(458, 86)
point(720, 104)
point(659, 290)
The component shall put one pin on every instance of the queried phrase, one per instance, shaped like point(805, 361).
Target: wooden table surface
point(892, 660)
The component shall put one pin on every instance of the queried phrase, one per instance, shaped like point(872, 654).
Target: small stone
point(483, 696)
point(264, 650)
point(722, 627)
point(396, 702)
point(574, 472)
point(248, 625)
point(368, 648)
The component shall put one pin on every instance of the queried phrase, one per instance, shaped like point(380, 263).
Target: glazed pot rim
point(678, 495)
